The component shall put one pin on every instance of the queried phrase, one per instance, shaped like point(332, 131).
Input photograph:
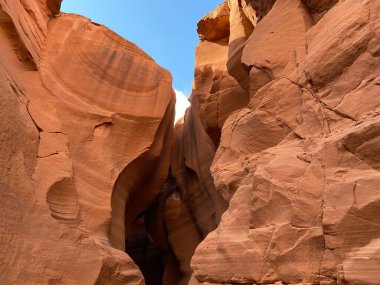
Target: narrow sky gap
point(165, 29)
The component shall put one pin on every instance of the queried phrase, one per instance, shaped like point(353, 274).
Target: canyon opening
point(267, 173)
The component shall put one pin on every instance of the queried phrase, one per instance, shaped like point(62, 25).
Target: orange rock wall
point(76, 135)
point(274, 169)
point(298, 165)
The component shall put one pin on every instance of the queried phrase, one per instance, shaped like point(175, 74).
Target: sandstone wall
point(298, 165)
point(83, 113)
point(273, 170)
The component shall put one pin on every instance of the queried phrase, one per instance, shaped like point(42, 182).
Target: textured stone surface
point(218, 93)
point(70, 166)
point(215, 25)
point(240, 29)
point(193, 152)
point(274, 169)
point(30, 19)
point(299, 164)
point(261, 7)
point(317, 6)
point(183, 235)
point(280, 34)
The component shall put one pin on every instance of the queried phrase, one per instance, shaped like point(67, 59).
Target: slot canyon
point(271, 177)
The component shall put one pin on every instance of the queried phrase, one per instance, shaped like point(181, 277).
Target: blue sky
point(165, 29)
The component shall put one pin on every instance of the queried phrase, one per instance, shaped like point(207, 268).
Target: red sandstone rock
point(215, 96)
point(215, 25)
point(193, 152)
point(30, 19)
point(296, 164)
point(280, 34)
point(299, 165)
point(218, 93)
point(197, 205)
point(183, 235)
point(261, 7)
point(317, 6)
point(70, 179)
point(240, 29)
point(54, 6)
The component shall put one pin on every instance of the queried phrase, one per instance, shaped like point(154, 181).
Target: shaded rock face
point(319, 6)
point(145, 253)
point(270, 178)
point(261, 7)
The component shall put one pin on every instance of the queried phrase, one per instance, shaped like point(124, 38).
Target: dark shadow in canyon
point(148, 243)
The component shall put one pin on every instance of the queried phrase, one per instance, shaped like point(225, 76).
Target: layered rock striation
point(270, 178)
point(73, 103)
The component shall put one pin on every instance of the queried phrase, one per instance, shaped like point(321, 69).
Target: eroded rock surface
point(299, 164)
point(215, 25)
point(274, 169)
point(74, 98)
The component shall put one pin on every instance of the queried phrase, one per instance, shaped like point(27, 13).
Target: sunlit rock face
point(217, 92)
point(216, 95)
point(298, 165)
point(83, 113)
point(271, 176)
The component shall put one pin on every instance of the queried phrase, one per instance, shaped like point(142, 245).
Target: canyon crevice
point(270, 177)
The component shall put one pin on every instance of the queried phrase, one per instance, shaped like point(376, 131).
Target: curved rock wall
point(273, 170)
point(76, 135)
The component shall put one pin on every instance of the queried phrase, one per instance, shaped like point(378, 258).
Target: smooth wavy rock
point(274, 170)
point(193, 152)
point(197, 205)
point(183, 236)
point(78, 132)
point(30, 18)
